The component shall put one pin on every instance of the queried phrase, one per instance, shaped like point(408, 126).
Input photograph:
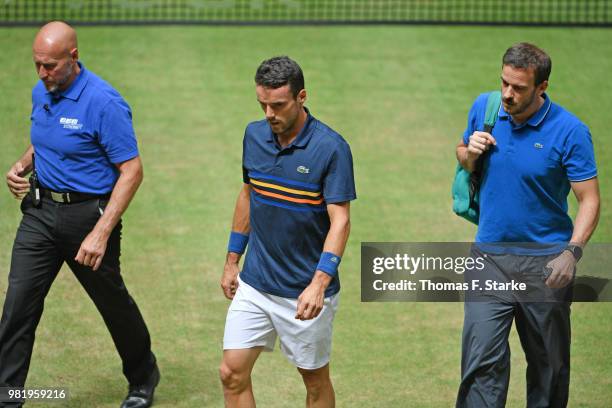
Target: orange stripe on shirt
point(282, 197)
point(285, 189)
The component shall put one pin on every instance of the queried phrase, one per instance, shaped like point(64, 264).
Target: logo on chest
point(538, 145)
point(70, 123)
point(303, 169)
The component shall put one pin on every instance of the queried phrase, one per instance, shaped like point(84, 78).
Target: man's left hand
point(563, 268)
point(92, 250)
point(310, 301)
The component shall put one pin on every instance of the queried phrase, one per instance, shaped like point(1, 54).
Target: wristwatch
point(575, 250)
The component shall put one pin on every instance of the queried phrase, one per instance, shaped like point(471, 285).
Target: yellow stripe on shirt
point(285, 189)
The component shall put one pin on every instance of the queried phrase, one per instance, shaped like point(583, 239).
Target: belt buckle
point(60, 197)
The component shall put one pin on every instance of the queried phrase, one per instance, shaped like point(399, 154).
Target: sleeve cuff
point(120, 158)
point(340, 198)
point(585, 177)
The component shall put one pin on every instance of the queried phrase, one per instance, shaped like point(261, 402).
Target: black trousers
point(47, 237)
point(543, 327)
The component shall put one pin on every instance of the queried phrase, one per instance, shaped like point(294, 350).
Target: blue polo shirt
point(80, 134)
point(523, 196)
point(290, 189)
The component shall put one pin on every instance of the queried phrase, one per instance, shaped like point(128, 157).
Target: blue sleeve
point(32, 110)
point(36, 98)
point(475, 117)
point(339, 182)
point(116, 133)
point(245, 171)
point(578, 156)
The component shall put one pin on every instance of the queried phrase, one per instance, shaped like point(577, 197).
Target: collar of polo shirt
point(534, 120)
point(302, 139)
point(76, 87)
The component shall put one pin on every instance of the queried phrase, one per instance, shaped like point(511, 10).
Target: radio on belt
point(35, 186)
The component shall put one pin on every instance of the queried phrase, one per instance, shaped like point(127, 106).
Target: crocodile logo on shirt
point(303, 169)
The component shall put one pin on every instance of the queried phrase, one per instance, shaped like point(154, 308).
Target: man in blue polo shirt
point(85, 170)
point(536, 153)
point(293, 210)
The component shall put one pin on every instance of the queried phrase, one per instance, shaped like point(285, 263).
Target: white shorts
point(255, 319)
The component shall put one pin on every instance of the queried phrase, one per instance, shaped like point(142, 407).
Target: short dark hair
point(526, 55)
point(280, 71)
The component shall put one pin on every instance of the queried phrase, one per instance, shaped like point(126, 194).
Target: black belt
point(72, 197)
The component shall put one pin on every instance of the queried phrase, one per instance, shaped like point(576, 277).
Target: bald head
point(56, 55)
point(55, 36)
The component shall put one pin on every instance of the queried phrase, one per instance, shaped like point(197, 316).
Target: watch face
point(576, 251)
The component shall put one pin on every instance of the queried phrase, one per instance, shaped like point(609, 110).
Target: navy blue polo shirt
point(80, 134)
point(290, 189)
point(523, 195)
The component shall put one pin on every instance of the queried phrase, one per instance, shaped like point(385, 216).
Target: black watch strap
point(575, 250)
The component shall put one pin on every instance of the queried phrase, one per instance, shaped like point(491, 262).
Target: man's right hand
point(17, 184)
point(479, 143)
point(229, 280)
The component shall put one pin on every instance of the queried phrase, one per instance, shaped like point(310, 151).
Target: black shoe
point(141, 396)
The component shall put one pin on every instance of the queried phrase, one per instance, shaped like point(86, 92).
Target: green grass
point(400, 96)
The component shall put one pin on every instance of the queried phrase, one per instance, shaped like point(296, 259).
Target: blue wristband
point(237, 242)
point(328, 263)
